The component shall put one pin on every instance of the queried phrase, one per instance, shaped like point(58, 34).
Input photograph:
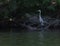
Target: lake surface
point(30, 39)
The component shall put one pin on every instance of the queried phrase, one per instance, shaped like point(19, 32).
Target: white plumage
point(40, 18)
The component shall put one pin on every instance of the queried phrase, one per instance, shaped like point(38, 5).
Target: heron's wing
point(41, 19)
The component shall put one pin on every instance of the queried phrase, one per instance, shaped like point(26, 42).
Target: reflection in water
point(37, 39)
point(12, 38)
point(30, 39)
point(41, 35)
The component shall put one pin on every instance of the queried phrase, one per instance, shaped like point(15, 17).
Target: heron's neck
point(39, 14)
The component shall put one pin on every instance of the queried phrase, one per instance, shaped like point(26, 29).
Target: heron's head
point(39, 11)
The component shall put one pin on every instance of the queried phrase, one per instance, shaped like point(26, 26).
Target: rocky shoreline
point(31, 24)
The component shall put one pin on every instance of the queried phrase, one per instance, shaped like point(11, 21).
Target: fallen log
point(55, 21)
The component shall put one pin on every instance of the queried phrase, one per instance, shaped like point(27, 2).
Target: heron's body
point(40, 18)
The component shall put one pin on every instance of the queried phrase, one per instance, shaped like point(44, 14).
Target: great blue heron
point(40, 18)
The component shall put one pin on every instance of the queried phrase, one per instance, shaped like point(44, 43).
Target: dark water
point(30, 39)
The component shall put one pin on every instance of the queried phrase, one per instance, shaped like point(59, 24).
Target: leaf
point(51, 8)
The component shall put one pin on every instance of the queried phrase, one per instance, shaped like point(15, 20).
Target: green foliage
point(12, 5)
point(25, 5)
point(51, 8)
point(58, 2)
